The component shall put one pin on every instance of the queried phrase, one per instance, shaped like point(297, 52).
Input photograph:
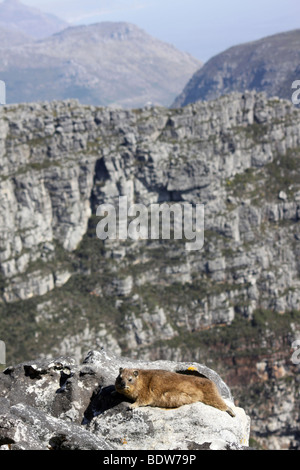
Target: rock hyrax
point(167, 389)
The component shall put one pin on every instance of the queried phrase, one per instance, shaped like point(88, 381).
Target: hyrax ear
point(121, 370)
point(136, 373)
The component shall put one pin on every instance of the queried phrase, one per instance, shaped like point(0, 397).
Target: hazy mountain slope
point(10, 37)
point(270, 64)
point(18, 17)
point(101, 64)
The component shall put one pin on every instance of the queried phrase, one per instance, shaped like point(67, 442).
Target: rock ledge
point(58, 404)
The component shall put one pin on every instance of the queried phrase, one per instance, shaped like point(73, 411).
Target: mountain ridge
point(28, 20)
point(267, 64)
point(101, 64)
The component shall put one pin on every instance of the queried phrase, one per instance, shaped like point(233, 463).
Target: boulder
point(59, 404)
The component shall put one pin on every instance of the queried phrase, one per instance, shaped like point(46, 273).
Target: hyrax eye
point(130, 379)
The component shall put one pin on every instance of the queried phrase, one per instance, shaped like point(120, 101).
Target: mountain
point(100, 64)
point(30, 21)
point(10, 37)
point(270, 64)
point(233, 305)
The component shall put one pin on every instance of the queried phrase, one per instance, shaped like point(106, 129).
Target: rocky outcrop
point(58, 405)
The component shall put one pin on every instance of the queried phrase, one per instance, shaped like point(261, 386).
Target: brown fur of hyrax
point(164, 389)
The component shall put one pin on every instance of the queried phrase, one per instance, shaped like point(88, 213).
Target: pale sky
point(201, 27)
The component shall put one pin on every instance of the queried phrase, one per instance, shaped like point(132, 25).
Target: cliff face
point(233, 304)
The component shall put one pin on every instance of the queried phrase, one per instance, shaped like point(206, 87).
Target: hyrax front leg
point(134, 405)
point(137, 404)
